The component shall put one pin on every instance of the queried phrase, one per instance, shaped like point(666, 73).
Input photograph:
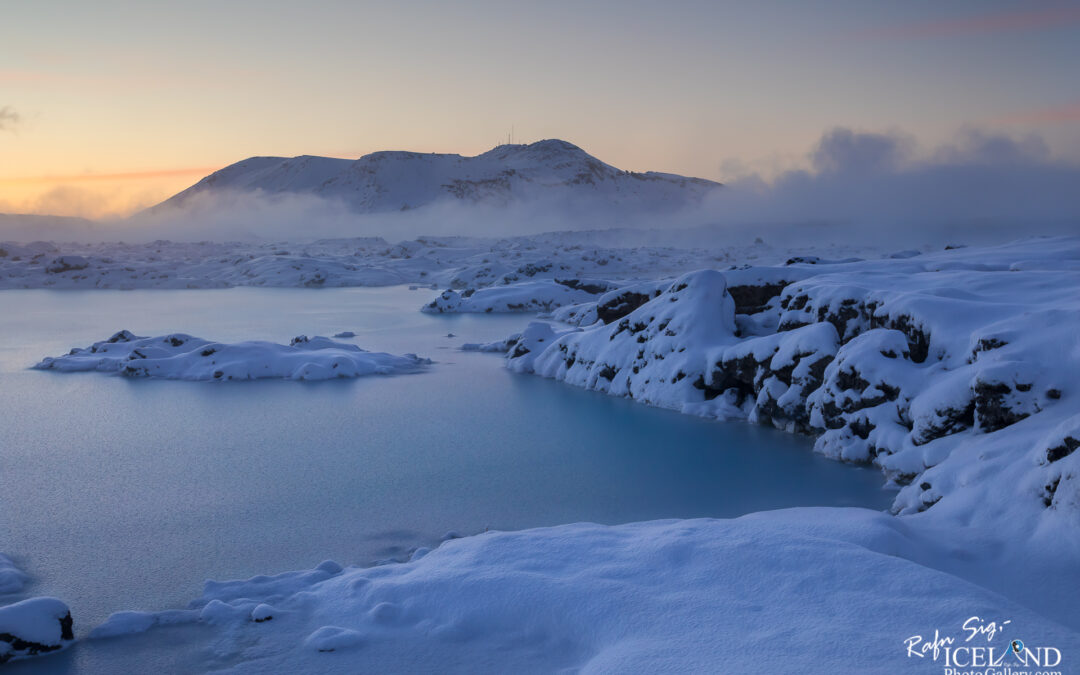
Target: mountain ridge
point(395, 180)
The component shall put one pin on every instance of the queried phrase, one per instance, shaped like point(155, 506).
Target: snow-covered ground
point(954, 371)
point(458, 263)
point(803, 590)
point(183, 357)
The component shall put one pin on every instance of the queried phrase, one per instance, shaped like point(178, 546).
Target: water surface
point(127, 494)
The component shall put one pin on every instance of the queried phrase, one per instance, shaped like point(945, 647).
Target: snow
point(12, 579)
point(802, 590)
point(652, 354)
point(33, 626)
point(953, 371)
point(458, 263)
point(526, 296)
point(945, 370)
point(396, 181)
point(183, 357)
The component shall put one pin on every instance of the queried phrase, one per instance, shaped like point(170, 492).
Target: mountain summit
point(507, 174)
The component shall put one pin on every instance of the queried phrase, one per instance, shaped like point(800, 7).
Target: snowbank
point(527, 296)
point(183, 357)
point(803, 590)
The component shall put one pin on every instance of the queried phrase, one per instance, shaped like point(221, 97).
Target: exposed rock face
point(861, 405)
point(947, 408)
point(617, 304)
point(1003, 396)
point(754, 298)
point(1067, 447)
point(778, 372)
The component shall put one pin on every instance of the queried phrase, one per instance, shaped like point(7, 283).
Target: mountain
point(505, 175)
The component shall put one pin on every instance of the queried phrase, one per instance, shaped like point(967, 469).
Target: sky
point(109, 107)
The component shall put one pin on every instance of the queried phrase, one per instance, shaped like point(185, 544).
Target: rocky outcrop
point(933, 373)
point(34, 627)
point(862, 406)
point(654, 353)
point(778, 373)
point(67, 263)
point(616, 304)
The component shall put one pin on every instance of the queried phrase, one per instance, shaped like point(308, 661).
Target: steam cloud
point(859, 188)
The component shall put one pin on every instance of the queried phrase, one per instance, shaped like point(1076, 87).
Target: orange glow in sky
point(93, 93)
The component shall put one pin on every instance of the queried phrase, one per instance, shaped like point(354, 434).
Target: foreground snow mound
point(954, 372)
point(32, 627)
point(804, 590)
point(183, 357)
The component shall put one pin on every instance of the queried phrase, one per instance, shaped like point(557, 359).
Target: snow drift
point(803, 590)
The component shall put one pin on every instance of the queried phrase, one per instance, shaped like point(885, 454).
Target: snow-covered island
point(183, 357)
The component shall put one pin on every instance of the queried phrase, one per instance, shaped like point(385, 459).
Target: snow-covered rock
point(526, 296)
point(496, 347)
point(183, 357)
point(67, 263)
point(919, 364)
point(33, 627)
point(653, 354)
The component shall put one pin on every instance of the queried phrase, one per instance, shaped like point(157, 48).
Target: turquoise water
point(125, 494)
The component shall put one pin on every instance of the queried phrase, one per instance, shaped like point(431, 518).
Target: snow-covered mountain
point(506, 175)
